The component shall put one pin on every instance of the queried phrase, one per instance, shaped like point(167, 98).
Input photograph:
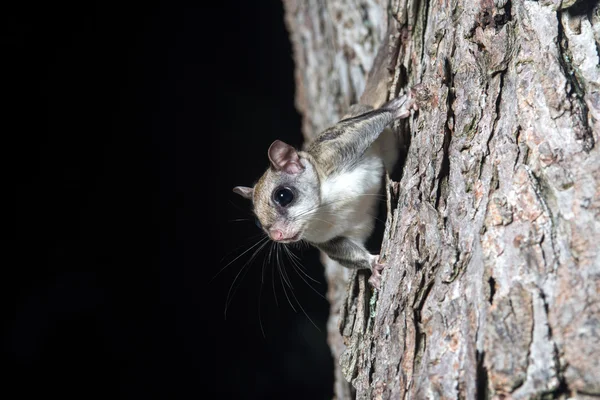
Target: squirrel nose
point(276, 234)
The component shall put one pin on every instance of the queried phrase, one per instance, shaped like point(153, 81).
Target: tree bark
point(492, 243)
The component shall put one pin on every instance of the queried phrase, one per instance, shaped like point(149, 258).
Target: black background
point(127, 125)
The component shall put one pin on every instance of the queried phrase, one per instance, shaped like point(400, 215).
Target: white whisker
point(283, 285)
point(286, 278)
point(273, 274)
point(235, 259)
point(247, 264)
point(239, 220)
point(298, 269)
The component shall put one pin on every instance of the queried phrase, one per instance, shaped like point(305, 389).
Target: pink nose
point(276, 234)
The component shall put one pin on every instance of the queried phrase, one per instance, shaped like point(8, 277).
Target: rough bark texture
point(492, 286)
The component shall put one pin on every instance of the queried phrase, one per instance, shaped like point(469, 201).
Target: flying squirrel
point(328, 194)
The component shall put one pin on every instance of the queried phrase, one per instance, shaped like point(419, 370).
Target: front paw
point(376, 268)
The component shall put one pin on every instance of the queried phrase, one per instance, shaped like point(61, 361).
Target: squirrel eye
point(257, 222)
point(283, 196)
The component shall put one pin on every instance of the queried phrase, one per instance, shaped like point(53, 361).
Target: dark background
point(127, 126)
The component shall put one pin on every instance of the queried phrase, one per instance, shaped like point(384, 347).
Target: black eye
point(283, 196)
point(257, 222)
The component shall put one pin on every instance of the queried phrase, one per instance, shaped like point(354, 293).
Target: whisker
point(235, 259)
point(298, 263)
point(301, 244)
point(296, 269)
point(300, 269)
point(305, 244)
point(239, 220)
point(291, 253)
point(286, 277)
point(262, 282)
point(245, 267)
point(283, 285)
point(285, 274)
point(250, 239)
point(295, 298)
point(302, 308)
point(262, 271)
point(273, 274)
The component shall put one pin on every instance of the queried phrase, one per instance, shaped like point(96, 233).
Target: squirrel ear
point(244, 191)
point(284, 158)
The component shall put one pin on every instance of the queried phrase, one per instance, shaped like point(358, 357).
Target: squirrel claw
point(402, 105)
point(376, 268)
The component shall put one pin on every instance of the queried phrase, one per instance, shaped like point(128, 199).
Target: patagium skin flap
point(327, 195)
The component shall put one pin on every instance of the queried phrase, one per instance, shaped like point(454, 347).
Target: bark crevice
point(575, 90)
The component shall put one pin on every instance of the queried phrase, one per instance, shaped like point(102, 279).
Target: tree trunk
point(492, 243)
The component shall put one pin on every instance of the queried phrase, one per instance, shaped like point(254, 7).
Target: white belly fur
point(349, 202)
